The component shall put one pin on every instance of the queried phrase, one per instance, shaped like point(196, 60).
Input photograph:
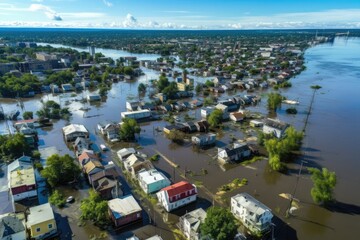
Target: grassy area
point(177, 234)
point(235, 184)
point(254, 159)
point(198, 183)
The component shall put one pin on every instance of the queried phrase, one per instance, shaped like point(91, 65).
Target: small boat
point(291, 102)
point(103, 147)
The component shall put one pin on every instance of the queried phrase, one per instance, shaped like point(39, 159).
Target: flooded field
point(331, 140)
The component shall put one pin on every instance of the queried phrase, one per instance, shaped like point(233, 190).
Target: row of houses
point(153, 181)
point(253, 214)
point(35, 223)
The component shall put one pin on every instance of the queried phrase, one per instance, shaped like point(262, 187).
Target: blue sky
point(181, 14)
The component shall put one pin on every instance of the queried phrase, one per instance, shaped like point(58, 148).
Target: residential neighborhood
point(174, 136)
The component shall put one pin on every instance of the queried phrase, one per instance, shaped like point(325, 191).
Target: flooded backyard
point(332, 138)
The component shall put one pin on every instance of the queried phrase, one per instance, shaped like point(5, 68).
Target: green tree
point(324, 184)
point(170, 90)
point(209, 83)
point(128, 70)
point(162, 83)
point(176, 136)
point(103, 90)
point(128, 129)
point(215, 118)
point(95, 209)
point(12, 147)
point(274, 101)
point(57, 199)
point(219, 224)
point(60, 170)
point(141, 88)
point(199, 88)
point(280, 149)
point(28, 115)
point(75, 66)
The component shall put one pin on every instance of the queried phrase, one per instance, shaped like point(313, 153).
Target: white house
point(73, 131)
point(177, 195)
point(236, 116)
point(137, 115)
point(125, 152)
point(275, 127)
point(235, 152)
point(189, 224)
point(152, 180)
point(252, 213)
point(205, 112)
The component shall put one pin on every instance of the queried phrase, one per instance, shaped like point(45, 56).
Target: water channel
point(332, 140)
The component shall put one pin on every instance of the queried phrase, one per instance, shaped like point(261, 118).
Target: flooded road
point(331, 140)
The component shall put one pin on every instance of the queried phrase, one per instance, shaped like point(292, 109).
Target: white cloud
point(83, 15)
point(107, 3)
point(336, 18)
point(182, 12)
point(130, 21)
point(50, 13)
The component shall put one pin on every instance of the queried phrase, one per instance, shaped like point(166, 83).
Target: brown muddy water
point(332, 139)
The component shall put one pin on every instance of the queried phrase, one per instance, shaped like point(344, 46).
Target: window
point(37, 229)
point(50, 226)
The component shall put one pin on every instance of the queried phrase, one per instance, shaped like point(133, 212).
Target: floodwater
point(331, 141)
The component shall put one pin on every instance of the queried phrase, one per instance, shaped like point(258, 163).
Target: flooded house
point(253, 214)
point(93, 98)
point(80, 145)
point(41, 223)
point(110, 130)
point(124, 153)
point(132, 106)
point(22, 181)
point(135, 163)
point(205, 112)
point(73, 131)
point(275, 127)
point(137, 115)
point(204, 140)
point(152, 180)
point(12, 226)
point(106, 182)
point(202, 126)
point(236, 116)
point(233, 153)
point(124, 210)
point(189, 223)
point(177, 195)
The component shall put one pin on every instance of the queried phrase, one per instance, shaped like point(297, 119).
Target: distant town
point(138, 144)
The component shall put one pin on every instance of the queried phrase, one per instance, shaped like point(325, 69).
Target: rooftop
point(23, 176)
point(39, 214)
point(195, 218)
point(74, 128)
point(11, 223)
point(250, 203)
point(151, 176)
point(276, 124)
point(178, 188)
point(123, 206)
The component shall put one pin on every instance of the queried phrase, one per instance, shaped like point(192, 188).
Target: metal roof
point(124, 206)
point(39, 214)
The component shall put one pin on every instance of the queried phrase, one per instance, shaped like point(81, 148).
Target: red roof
point(178, 188)
point(86, 155)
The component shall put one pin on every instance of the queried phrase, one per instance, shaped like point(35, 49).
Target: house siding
point(126, 219)
point(44, 229)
